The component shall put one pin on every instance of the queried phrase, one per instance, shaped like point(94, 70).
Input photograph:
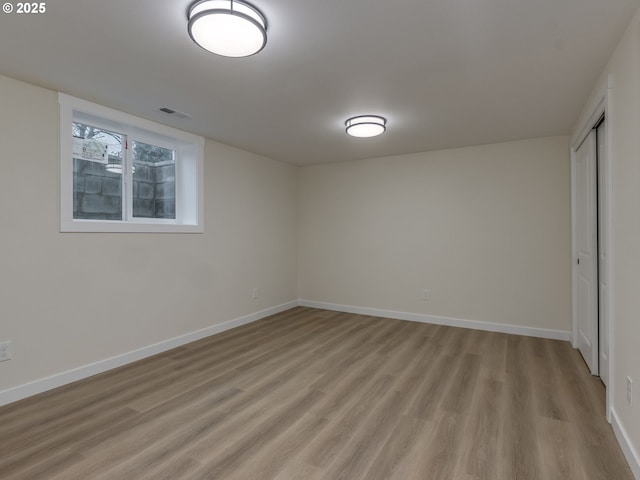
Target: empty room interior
point(320, 240)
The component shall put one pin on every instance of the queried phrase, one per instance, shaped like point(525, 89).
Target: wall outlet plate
point(5, 350)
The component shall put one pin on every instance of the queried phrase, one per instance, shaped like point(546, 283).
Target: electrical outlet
point(5, 351)
point(425, 295)
point(254, 293)
point(629, 391)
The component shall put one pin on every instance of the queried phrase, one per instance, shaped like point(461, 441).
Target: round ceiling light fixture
point(231, 28)
point(366, 125)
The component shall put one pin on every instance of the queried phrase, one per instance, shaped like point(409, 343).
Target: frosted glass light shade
point(366, 126)
point(231, 28)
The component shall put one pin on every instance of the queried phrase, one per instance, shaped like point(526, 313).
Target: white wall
point(67, 300)
point(624, 116)
point(486, 229)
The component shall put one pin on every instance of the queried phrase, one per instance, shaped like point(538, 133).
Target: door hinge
point(578, 261)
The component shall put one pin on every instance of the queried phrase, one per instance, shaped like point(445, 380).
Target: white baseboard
point(628, 449)
point(452, 322)
point(42, 385)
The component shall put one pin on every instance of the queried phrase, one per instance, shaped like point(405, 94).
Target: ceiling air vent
point(173, 113)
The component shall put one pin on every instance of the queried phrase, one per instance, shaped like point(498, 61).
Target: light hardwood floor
point(318, 395)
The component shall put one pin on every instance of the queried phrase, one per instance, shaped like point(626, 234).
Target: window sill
point(101, 226)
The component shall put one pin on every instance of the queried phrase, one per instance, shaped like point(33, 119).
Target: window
point(120, 173)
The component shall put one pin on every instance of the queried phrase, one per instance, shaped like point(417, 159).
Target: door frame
point(588, 254)
point(600, 105)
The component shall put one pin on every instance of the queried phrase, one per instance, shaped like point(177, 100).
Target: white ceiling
point(446, 73)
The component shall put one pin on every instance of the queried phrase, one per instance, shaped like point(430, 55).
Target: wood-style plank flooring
point(318, 395)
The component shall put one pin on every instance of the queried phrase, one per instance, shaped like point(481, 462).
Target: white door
point(587, 227)
point(603, 313)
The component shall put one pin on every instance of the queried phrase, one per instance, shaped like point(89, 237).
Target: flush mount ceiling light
point(231, 28)
point(366, 126)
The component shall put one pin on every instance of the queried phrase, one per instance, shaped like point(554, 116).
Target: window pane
point(97, 173)
point(154, 181)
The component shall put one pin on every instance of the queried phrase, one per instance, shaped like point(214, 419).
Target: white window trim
point(69, 105)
